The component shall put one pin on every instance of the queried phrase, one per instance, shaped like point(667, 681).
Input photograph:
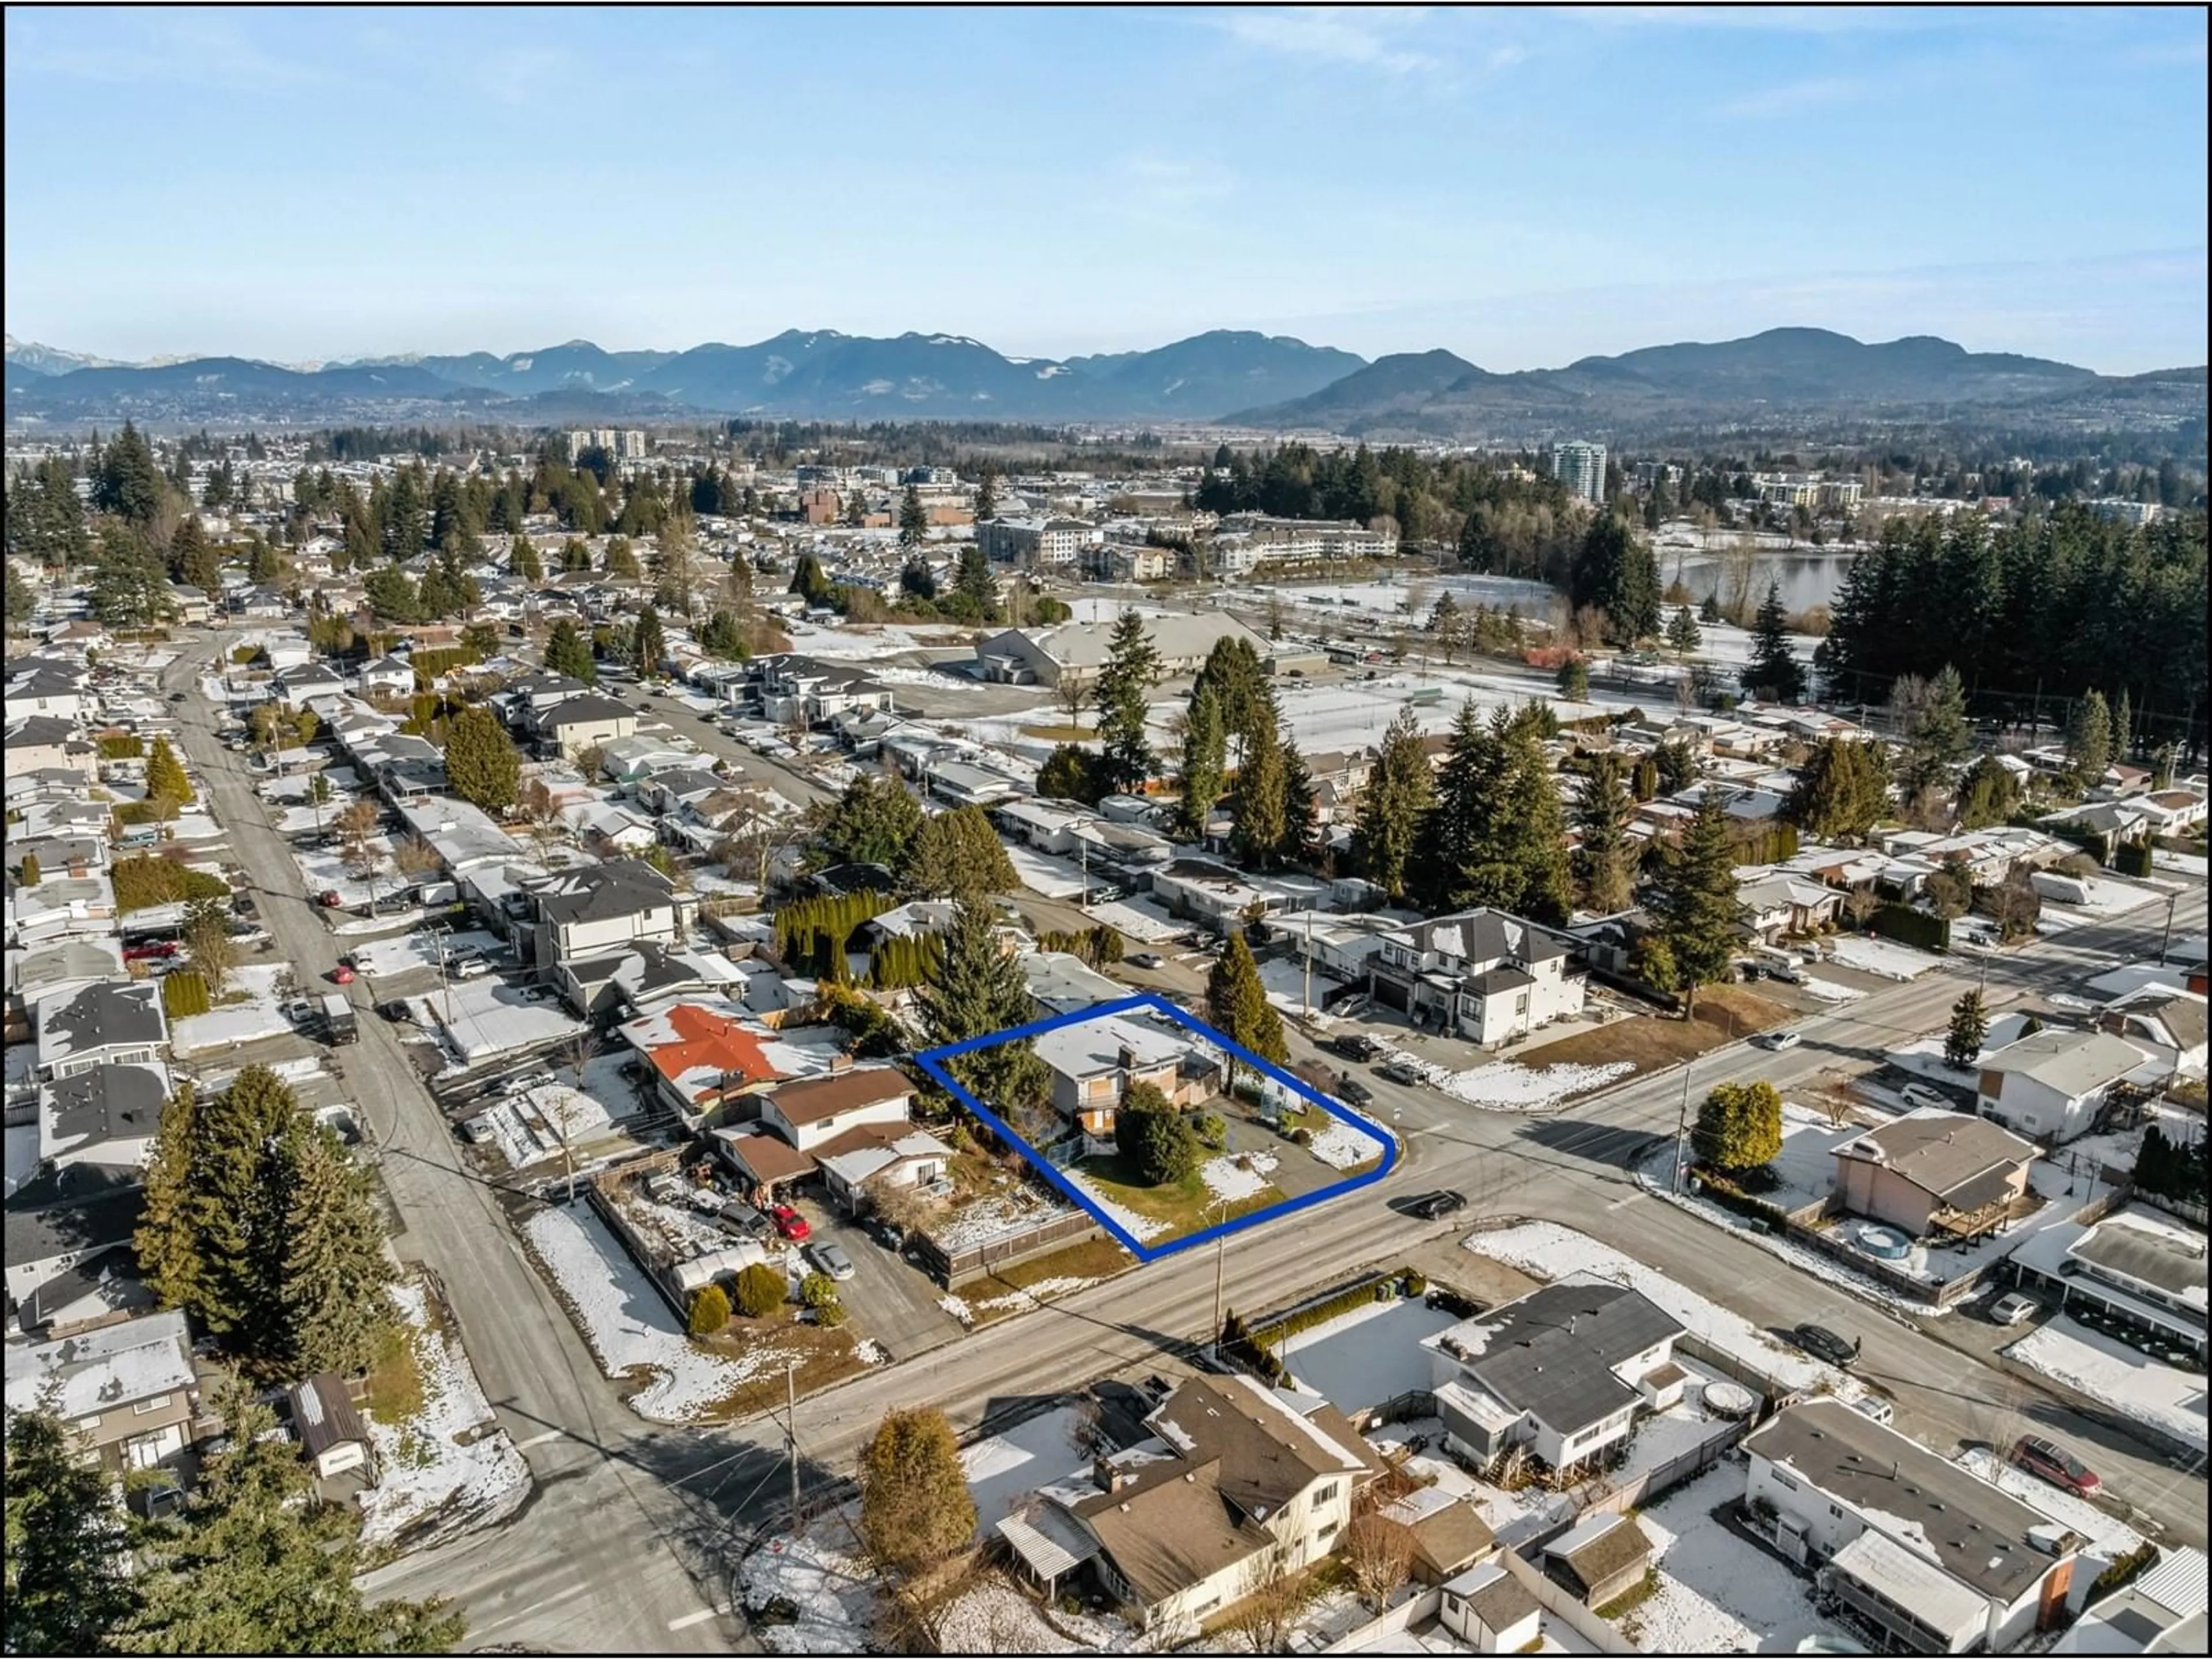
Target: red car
point(342, 975)
point(2046, 1461)
point(149, 952)
point(329, 897)
point(789, 1223)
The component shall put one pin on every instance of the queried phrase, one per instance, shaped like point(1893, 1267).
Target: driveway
point(888, 1299)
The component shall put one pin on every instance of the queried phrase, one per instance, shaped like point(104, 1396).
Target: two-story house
point(588, 720)
point(1094, 1062)
point(129, 1391)
point(1935, 1171)
point(1929, 1554)
point(1485, 974)
point(1563, 1372)
point(1241, 1483)
point(103, 1115)
point(590, 911)
point(2051, 1085)
point(110, 1023)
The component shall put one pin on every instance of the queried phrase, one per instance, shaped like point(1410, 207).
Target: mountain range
point(1239, 378)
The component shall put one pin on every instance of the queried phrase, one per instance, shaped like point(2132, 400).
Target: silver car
point(833, 1261)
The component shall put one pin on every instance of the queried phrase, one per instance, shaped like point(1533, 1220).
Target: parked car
point(1353, 1089)
point(834, 1261)
point(2048, 1461)
point(342, 975)
point(1147, 959)
point(151, 950)
point(1436, 1206)
point(2013, 1309)
point(1917, 1094)
point(398, 1012)
point(1356, 1045)
point(1824, 1344)
point(242, 904)
point(299, 1011)
point(523, 1084)
point(790, 1225)
point(741, 1219)
point(889, 1235)
point(1777, 1041)
point(176, 696)
point(1400, 1070)
point(467, 968)
point(329, 899)
point(1876, 1409)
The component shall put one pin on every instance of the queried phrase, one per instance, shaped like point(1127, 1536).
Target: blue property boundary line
point(931, 1061)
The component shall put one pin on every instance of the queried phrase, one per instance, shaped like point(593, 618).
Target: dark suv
point(1824, 1344)
point(1357, 1045)
point(1436, 1206)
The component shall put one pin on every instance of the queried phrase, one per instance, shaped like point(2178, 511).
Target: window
point(1784, 1478)
point(1327, 1494)
point(139, 1407)
point(1326, 1533)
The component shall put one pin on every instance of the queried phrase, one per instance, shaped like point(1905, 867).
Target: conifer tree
point(1257, 837)
point(1131, 669)
point(2089, 739)
point(1394, 806)
point(332, 1279)
point(1969, 1030)
point(1236, 1005)
point(483, 766)
point(648, 642)
point(1842, 791)
point(1605, 858)
point(1204, 757)
point(912, 522)
point(567, 652)
point(979, 990)
point(1683, 635)
point(1299, 808)
point(1774, 672)
point(165, 775)
point(1694, 901)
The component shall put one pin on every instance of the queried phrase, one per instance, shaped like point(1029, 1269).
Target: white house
point(588, 912)
point(2050, 1086)
point(811, 1113)
point(1486, 975)
point(2166, 1024)
point(1935, 1557)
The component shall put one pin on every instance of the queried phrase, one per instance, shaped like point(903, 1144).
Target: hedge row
point(1910, 927)
point(185, 994)
point(1273, 1333)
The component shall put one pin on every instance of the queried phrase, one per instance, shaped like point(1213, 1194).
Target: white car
point(1874, 1406)
point(2011, 1309)
point(1777, 1041)
point(1916, 1094)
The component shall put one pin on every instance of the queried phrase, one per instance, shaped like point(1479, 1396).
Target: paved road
point(623, 1542)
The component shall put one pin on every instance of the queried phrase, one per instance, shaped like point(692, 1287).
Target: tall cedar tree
point(956, 854)
point(1256, 835)
point(1774, 673)
point(987, 498)
point(1841, 792)
point(912, 522)
point(1070, 772)
point(1233, 672)
point(1605, 860)
point(1613, 571)
point(1694, 901)
point(1238, 1006)
point(1534, 831)
point(68, 1586)
point(1683, 635)
point(1970, 1029)
point(648, 642)
point(1496, 835)
point(874, 822)
point(1300, 811)
point(1988, 794)
point(977, 582)
point(522, 561)
point(1934, 715)
point(1155, 1139)
point(1204, 755)
point(567, 652)
point(255, 1565)
point(980, 990)
point(1131, 669)
point(1393, 808)
point(332, 1281)
point(916, 1508)
point(483, 766)
point(2088, 741)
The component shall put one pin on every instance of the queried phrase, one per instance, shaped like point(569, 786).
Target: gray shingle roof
point(1552, 1352)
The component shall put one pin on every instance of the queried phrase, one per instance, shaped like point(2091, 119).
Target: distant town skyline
point(1521, 187)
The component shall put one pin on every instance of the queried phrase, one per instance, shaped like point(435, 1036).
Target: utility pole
point(1682, 1126)
point(791, 1429)
point(1309, 995)
point(2166, 939)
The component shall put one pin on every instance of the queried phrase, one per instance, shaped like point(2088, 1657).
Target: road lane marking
point(1631, 1199)
point(698, 1617)
point(540, 1439)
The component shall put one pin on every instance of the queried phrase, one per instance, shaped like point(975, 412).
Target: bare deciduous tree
point(1378, 1552)
point(1268, 1603)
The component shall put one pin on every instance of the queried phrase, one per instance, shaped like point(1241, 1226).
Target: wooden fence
point(954, 1269)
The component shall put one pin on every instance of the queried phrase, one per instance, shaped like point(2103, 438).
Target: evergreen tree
point(1614, 572)
point(648, 643)
point(1239, 682)
point(979, 990)
point(1970, 1030)
point(1203, 760)
point(976, 582)
point(1131, 669)
point(1070, 772)
point(710, 1311)
point(1938, 737)
point(1256, 835)
point(987, 498)
point(956, 855)
point(21, 602)
point(912, 522)
point(1445, 623)
point(1774, 674)
point(1532, 834)
point(1605, 858)
point(257, 1566)
point(2089, 739)
point(1683, 635)
point(522, 561)
point(1988, 794)
point(619, 562)
point(331, 1283)
point(576, 557)
point(916, 1511)
point(1457, 855)
point(875, 821)
point(69, 1587)
point(1574, 680)
point(1236, 1005)
point(1694, 902)
point(1841, 792)
point(1155, 1139)
point(1708, 609)
point(126, 480)
point(1393, 808)
point(1739, 1127)
point(2124, 726)
point(1300, 811)
point(483, 766)
point(567, 652)
point(165, 775)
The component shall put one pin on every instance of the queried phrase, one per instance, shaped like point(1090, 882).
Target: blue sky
point(1522, 186)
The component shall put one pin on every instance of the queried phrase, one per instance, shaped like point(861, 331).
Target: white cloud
point(1792, 96)
point(176, 48)
point(1766, 20)
point(1366, 36)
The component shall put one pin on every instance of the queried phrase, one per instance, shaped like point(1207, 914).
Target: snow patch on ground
point(1546, 1250)
point(1718, 1592)
point(1506, 1085)
point(1227, 1177)
point(1827, 990)
point(958, 1308)
point(1041, 873)
point(830, 1587)
point(1285, 983)
point(235, 1023)
point(1137, 1227)
point(450, 1468)
point(630, 1327)
point(1340, 1146)
point(2108, 1537)
point(2128, 1380)
point(1028, 1296)
point(1885, 958)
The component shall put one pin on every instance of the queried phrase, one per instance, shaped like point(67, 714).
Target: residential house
point(1449, 1532)
point(49, 1243)
point(388, 677)
point(1562, 1371)
point(47, 743)
point(2168, 1025)
point(295, 688)
point(587, 720)
point(1488, 975)
point(815, 1111)
point(1599, 1558)
point(1060, 983)
point(589, 911)
point(1094, 1062)
point(1212, 894)
point(1244, 1481)
point(2138, 1269)
point(107, 1024)
point(1935, 1171)
point(1075, 652)
point(1783, 904)
point(798, 690)
point(862, 1162)
point(2052, 1085)
point(127, 1390)
point(626, 760)
point(957, 783)
point(2163, 1611)
point(704, 1055)
point(628, 980)
point(1936, 1558)
point(46, 685)
point(103, 1115)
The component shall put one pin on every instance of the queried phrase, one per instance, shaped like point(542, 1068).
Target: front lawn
point(1651, 1043)
point(1182, 1206)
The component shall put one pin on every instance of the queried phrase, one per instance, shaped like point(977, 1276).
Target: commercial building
point(1581, 468)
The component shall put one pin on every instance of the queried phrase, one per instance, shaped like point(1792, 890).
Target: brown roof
point(1449, 1537)
point(1612, 1552)
point(769, 1157)
point(323, 1414)
point(1268, 1454)
point(818, 1097)
point(1172, 1528)
point(1939, 1151)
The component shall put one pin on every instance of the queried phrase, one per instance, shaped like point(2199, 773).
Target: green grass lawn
point(1185, 1205)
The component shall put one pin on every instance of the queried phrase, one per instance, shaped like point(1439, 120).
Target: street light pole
point(1682, 1125)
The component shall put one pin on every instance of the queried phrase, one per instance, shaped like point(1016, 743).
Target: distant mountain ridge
point(1233, 376)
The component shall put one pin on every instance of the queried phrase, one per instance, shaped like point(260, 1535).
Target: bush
point(830, 1315)
point(710, 1310)
point(1212, 1130)
point(185, 994)
point(1320, 1313)
point(1415, 1284)
point(121, 745)
point(2133, 858)
point(1910, 927)
point(2080, 864)
point(761, 1291)
point(817, 1290)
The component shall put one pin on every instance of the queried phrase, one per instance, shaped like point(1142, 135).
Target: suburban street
point(627, 1542)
